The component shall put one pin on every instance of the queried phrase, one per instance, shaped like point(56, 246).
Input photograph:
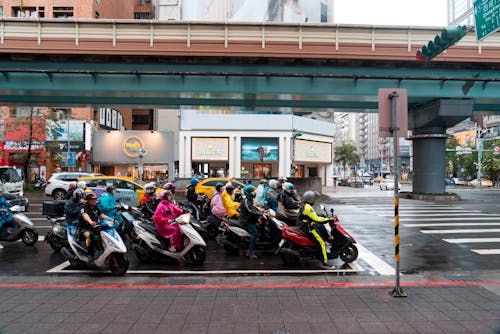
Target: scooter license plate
point(282, 242)
point(22, 208)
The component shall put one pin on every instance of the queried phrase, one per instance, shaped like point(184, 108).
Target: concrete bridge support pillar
point(429, 165)
point(429, 123)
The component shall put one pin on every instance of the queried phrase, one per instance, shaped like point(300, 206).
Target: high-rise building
point(461, 12)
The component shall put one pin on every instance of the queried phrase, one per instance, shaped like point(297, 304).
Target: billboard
point(313, 151)
point(259, 149)
point(59, 131)
point(298, 11)
point(209, 149)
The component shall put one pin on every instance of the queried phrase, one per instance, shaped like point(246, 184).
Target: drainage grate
point(463, 278)
point(186, 281)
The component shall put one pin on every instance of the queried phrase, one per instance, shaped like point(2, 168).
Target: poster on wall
point(209, 149)
point(313, 151)
point(259, 149)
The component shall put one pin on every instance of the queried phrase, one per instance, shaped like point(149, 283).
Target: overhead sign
point(384, 112)
point(487, 15)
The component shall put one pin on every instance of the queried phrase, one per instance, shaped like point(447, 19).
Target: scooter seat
point(151, 229)
point(235, 222)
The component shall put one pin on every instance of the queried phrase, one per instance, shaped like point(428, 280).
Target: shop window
point(62, 12)
point(30, 12)
point(140, 119)
point(24, 112)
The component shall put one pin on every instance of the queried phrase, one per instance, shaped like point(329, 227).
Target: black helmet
point(229, 189)
point(309, 197)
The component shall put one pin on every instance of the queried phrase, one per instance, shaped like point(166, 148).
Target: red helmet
point(170, 186)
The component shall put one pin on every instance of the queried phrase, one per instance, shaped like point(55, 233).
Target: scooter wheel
point(197, 255)
point(55, 243)
point(29, 237)
point(349, 254)
point(118, 264)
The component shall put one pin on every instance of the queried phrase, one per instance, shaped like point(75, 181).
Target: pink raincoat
point(162, 221)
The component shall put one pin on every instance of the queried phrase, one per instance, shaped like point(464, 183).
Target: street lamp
point(295, 133)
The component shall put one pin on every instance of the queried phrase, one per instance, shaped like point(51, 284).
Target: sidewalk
point(290, 308)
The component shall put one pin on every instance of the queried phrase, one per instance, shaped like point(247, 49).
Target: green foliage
point(346, 154)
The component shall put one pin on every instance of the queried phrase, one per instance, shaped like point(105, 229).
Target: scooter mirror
point(331, 210)
point(322, 207)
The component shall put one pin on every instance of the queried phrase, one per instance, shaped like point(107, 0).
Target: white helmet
point(81, 184)
point(150, 188)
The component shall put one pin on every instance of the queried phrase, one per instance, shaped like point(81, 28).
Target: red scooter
point(298, 246)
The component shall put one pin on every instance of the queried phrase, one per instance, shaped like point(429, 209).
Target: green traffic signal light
point(441, 42)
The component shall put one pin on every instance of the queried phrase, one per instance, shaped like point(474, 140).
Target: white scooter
point(23, 228)
point(111, 254)
point(148, 242)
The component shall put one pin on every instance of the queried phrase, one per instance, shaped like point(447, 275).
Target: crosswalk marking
point(451, 224)
point(471, 240)
point(486, 251)
point(470, 230)
point(446, 219)
point(460, 214)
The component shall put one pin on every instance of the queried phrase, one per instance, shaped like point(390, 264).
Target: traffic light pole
point(397, 291)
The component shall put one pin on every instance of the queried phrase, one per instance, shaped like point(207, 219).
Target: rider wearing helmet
point(164, 215)
point(250, 216)
point(72, 187)
point(216, 204)
point(171, 187)
point(191, 194)
point(107, 202)
point(90, 216)
point(73, 206)
point(311, 223)
point(150, 200)
point(5, 214)
point(230, 205)
point(289, 198)
point(272, 195)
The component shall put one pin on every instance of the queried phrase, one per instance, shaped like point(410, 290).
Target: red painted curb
point(239, 286)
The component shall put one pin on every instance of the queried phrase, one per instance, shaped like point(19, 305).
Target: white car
point(458, 181)
point(58, 184)
point(388, 184)
point(484, 183)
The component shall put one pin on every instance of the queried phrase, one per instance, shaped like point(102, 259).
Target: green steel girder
point(250, 86)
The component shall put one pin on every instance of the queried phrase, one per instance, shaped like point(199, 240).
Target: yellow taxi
point(128, 190)
point(207, 186)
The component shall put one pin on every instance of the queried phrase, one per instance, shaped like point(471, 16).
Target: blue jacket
point(5, 216)
point(107, 203)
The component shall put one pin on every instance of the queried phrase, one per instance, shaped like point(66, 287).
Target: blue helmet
point(194, 181)
point(249, 191)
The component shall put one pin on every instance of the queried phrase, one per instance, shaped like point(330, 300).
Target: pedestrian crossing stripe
point(451, 224)
point(491, 230)
point(486, 251)
point(471, 240)
point(450, 214)
point(447, 219)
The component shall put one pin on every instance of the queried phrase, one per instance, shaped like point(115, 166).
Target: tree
point(346, 154)
point(29, 129)
point(490, 161)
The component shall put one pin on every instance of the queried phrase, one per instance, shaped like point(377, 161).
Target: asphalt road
point(459, 237)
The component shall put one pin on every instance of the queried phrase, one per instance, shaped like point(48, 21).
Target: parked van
point(11, 181)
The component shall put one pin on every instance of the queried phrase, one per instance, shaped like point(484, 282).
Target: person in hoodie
point(260, 193)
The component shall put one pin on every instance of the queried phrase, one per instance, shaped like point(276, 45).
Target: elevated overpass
point(253, 65)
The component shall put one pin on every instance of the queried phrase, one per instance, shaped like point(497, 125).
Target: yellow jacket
point(230, 205)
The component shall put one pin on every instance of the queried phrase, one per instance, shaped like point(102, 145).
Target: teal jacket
point(107, 203)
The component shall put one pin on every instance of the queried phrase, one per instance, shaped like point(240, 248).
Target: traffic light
point(441, 42)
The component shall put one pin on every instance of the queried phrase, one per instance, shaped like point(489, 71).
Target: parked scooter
point(297, 246)
point(149, 243)
point(23, 228)
point(40, 184)
point(235, 238)
point(57, 237)
point(110, 251)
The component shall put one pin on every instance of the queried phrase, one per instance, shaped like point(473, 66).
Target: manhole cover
point(186, 281)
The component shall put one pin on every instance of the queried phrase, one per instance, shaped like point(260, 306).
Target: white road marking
point(42, 226)
point(470, 240)
point(60, 269)
point(446, 219)
point(471, 230)
point(458, 214)
point(382, 267)
point(486, 251)
point(38, 219)
point(451, 224)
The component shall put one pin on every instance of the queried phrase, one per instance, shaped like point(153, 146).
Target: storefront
point(210, 156)
point(312, 158)
point(139, 154)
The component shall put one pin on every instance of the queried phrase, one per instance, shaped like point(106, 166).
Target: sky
point(391, 12)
